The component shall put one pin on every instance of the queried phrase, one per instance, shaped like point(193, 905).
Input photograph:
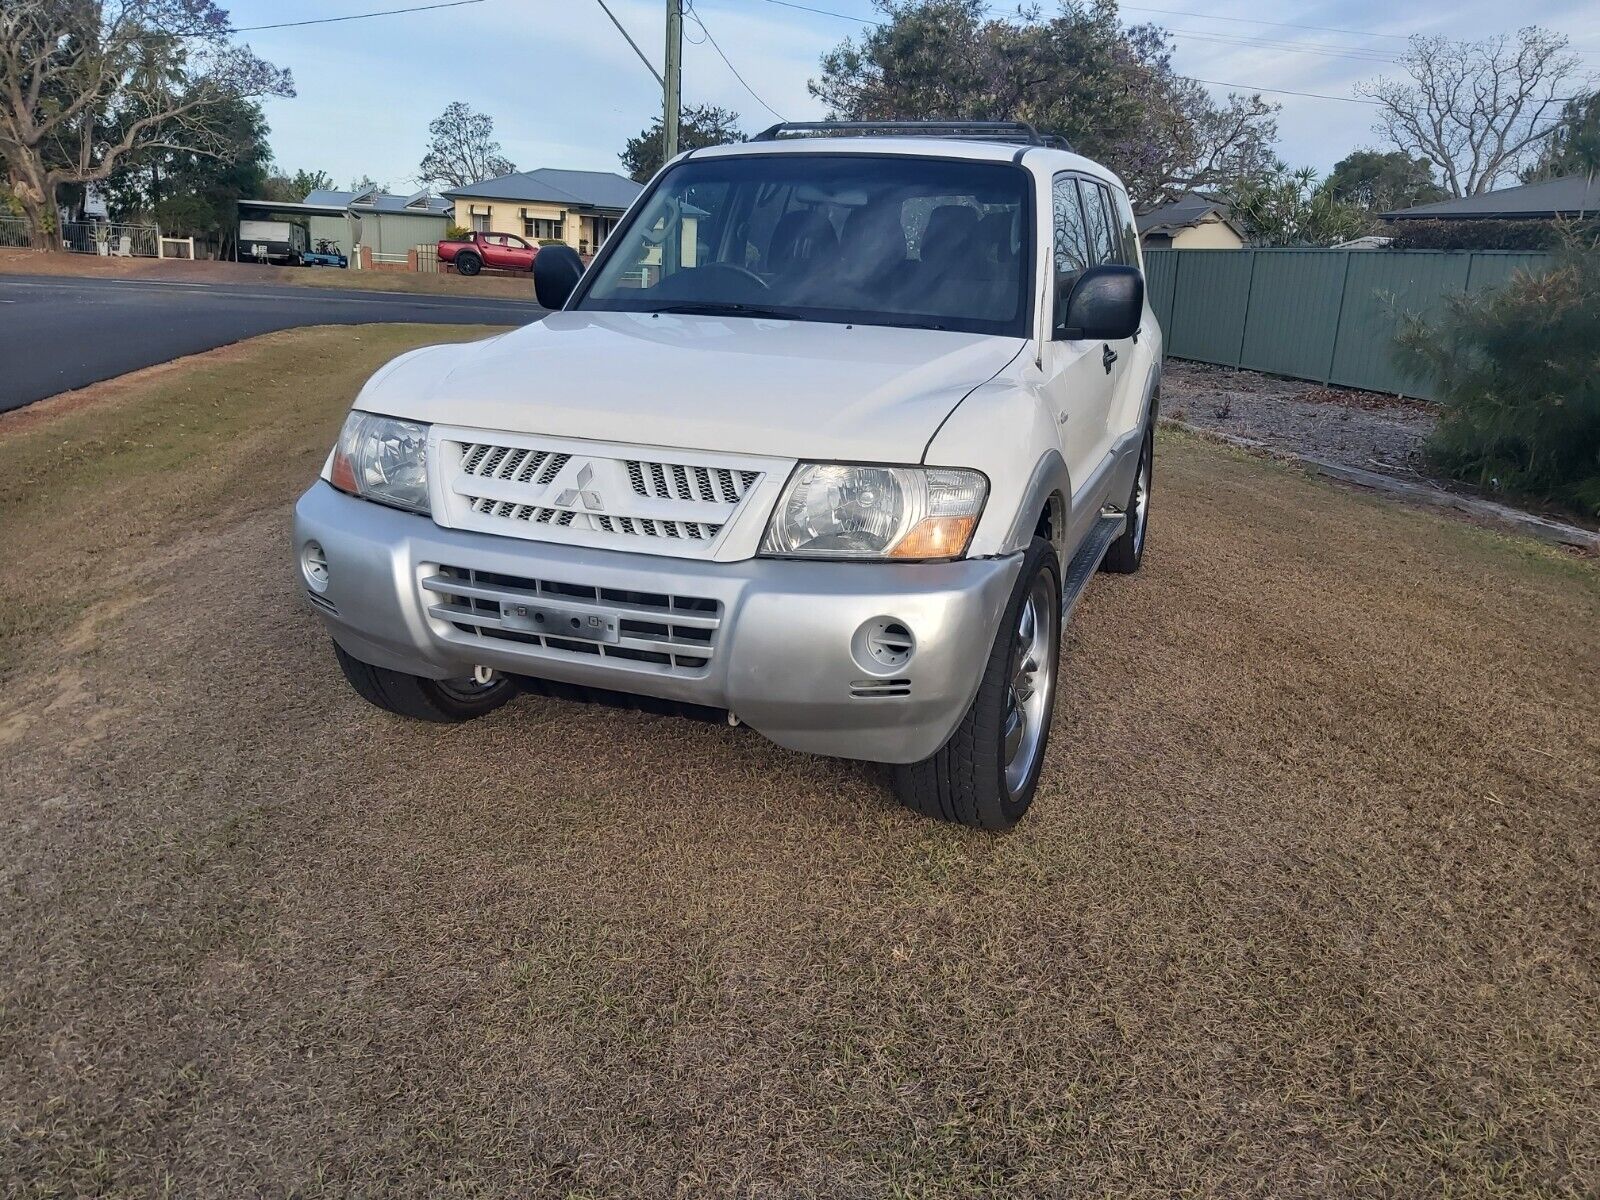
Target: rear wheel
point(985, 775)
point(468, 263)
point(1127, 552)
point(446, 701)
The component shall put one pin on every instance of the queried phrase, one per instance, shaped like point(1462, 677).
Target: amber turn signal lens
point(936, 537)
point(341, 474)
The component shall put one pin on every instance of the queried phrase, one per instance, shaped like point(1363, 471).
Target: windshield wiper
point(710, 309)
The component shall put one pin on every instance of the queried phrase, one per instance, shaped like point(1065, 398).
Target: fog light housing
point(314, 566)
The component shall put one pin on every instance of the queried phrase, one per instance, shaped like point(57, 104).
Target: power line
point(1247, 87)
point(1252, 87)
point(700, 21)
point(387, 12)
point(648, 65)
point(1169, 12)
point(824, 12)
point(1353, 53)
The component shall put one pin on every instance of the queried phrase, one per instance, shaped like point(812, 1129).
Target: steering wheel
point(733, 269)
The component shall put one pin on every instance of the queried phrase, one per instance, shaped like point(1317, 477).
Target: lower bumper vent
point(676, 634)
point(877, 689)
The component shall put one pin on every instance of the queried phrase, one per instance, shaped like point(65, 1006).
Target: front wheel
point(446, 701)
point(985, 775)
point(468, 264)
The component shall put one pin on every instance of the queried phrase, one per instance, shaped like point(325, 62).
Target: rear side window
point(1122, 218)
point(1104, 245)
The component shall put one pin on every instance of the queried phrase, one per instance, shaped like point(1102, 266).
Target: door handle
point(1107, 357)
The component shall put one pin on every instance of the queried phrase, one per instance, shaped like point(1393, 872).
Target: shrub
point(456, 233)
point(1487, 235)
point(1518, 371)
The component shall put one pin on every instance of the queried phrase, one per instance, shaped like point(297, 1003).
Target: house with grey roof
point(1547, 200)
point(386, 224)
point(579, 208)
point(1194, 221)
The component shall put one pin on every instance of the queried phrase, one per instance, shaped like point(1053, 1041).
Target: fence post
point(1338, 320)
point(1177, 277)
point(1244, 317)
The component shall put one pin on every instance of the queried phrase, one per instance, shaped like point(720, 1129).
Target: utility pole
point(672, 90)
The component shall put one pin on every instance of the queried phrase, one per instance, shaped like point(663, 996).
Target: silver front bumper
point(782, 658)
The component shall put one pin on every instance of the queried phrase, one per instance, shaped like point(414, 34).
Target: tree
point(1478, 111)
point(295, 188)
point(1515, 369)
point(702, 125)
point(1111, 91)
point(462, 149)
point(1383, 182)
point(1289, 208)
point(367, 184)
point(1573, 147)
point(86, 84)
point(192, 194)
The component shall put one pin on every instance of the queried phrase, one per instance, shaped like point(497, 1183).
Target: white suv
point(826, 441)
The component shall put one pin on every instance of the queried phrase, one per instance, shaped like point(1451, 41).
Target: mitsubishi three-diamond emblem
point(591, 499)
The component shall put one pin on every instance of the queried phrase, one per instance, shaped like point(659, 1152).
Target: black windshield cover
point(873, 240)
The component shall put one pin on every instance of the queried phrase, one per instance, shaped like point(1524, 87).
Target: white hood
point(792, 389)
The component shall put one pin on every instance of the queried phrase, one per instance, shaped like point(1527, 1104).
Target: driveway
point(58, 334)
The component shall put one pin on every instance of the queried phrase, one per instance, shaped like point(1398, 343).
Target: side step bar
point(1087, 560)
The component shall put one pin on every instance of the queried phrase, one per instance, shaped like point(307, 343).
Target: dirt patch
point(1305, 905)
point(27, 262)
point(1357, 429)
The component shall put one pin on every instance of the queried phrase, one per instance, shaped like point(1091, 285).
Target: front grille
point(672, 481)
point(674, 634)
point(534, 492)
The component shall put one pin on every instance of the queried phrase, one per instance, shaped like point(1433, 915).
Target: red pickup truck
point(492, 251)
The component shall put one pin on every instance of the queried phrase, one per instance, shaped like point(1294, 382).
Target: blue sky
point(566, 91)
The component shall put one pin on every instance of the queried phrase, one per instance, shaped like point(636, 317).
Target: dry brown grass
point(1306, 906)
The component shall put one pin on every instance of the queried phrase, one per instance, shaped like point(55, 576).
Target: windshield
point(870, 239)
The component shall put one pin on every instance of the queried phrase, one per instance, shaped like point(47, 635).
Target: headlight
point(833, 510)
point(379, 458)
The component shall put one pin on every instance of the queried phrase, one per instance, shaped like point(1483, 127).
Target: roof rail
point(973, 131)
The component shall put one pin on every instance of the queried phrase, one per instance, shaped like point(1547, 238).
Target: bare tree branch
point(1476, 110)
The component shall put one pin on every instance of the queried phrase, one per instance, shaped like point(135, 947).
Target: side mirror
point(556, 271)
point(1105, 304)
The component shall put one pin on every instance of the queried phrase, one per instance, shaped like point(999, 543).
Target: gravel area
point(1355, 429)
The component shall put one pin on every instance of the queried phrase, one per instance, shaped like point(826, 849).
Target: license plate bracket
point(560, 622)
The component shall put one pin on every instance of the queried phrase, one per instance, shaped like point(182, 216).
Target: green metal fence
point(1328, 315)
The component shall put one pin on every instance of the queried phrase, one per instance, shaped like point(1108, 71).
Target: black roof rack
point(973, 131)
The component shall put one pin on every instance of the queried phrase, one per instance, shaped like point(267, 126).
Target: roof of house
point(423, 203)
point(1565, 197)
point(1184, 213)
point(581, 189)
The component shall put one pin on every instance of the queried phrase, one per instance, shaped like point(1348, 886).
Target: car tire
point(468, 264)
point(1127, 552)
point(985, 774)
point(444, 701)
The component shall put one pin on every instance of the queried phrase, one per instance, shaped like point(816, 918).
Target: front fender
point(1003, 430)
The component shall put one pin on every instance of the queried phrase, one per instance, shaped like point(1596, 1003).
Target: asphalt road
point(57, 334)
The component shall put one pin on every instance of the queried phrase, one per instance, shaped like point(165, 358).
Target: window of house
point(543, 229)
point(480, 221)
